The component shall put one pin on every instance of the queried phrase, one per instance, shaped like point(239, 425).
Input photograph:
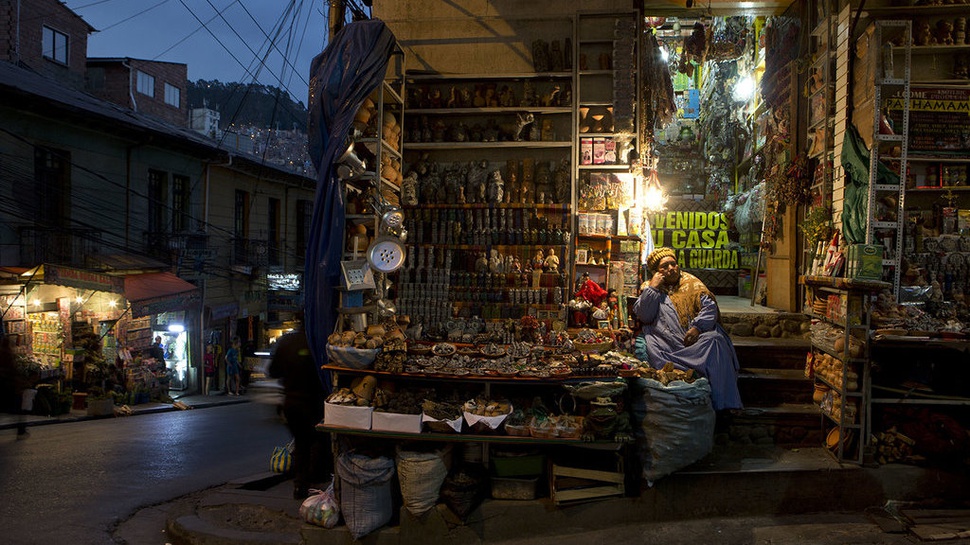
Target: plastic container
point(514, 489)
point(518, 466)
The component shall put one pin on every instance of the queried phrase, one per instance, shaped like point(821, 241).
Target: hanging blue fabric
point(341, 77)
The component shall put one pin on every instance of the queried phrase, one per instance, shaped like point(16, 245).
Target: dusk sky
point(226, 47)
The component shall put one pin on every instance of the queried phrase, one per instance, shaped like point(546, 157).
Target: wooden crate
point(573, 484)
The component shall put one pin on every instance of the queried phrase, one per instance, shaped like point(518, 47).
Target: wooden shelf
point(487, 111)
point(471, 206)
point(484, 145)
point(417, 76)
point(469, 438)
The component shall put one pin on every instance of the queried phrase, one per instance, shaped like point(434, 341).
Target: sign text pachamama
point(939, 119)
point(700, 238)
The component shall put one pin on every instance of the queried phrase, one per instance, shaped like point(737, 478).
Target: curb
point(192, 530)
point(163, 408)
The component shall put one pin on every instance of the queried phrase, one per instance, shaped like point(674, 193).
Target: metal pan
point(386, 254)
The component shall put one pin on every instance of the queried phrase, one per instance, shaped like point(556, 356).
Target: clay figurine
point(551, 262)
point(496, 187)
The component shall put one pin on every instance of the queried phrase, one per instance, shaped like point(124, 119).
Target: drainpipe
point(205, 281)
point(131, 85)
point(16, 42)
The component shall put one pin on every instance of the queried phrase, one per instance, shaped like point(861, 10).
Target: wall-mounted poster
point(939, 120)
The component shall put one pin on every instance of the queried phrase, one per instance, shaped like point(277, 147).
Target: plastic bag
point(464, 489)
point(321, 508)
point(674, 424)
point(421, 475)
point(282, 459)
point(365, 492)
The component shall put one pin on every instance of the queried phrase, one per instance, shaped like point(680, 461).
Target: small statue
point(431, 187)
point(563, 185)
point(551, 262)
point(528, 94)
point(550, 98)
point(481, 264)
point(475, 181)
point(495, 263)
point(464, 97)
point(453, 178)
point(604, 421)
point(555, 57)
point(496, 187)
point(514, 130)
point(409, 189)
point(538, 260)
point(540, 56)
point(506, 97)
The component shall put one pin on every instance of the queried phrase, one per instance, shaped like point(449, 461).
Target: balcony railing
point(73, 247)
point(251, 252)
point(168, 247)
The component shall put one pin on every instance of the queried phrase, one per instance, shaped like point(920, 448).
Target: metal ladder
point(892, 80)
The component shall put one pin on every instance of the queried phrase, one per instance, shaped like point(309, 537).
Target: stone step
point(732, 481)
point(771, 353)
point(791, 425)
point(772, 387)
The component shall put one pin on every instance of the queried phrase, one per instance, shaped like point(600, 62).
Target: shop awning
point(60, 275)
point(153, 293)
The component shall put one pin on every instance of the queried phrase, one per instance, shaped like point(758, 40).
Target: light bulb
point(744, 89)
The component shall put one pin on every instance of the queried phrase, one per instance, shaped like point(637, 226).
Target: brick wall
point(28, 46)
point(111, 80)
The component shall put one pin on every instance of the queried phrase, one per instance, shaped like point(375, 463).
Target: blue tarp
point(341, 77)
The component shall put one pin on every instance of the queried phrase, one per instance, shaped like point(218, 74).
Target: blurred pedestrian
point(233, 367)
point(303, 399)
point(209, 367)
point(12, 385)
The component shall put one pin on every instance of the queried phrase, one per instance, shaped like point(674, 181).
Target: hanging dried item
point(658, 90)
point(695, 49)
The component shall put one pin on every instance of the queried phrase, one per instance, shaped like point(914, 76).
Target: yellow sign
point(700, 238)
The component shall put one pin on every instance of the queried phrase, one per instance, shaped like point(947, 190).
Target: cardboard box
point(586, 151)
point(609, 156)
point(865, 261)
point(396, 422)
point(347, 416)
point(599, 150)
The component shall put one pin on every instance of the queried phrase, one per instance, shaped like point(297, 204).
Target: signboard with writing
point(939, 119)
point(700, 238)
point(77, 278)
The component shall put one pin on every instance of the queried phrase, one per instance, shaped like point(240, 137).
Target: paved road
point(73, 482)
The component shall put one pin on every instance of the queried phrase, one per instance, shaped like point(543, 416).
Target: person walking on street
point(303, 402)
point(209, 367)
point(233, 367)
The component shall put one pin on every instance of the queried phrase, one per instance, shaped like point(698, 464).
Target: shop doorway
point(175, 344)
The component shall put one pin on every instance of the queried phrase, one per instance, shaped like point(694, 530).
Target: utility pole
point(337, 10)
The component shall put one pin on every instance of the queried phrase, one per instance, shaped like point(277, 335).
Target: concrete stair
point(778, 408)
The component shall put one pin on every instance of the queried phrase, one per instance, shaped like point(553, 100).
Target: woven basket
point(593, 347)
point(352, 358)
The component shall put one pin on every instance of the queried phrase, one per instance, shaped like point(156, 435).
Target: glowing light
point(654, 199)
point(79, 300)
point(663, 53)
point(112, 303)
point(176, 328)
point(744, 89)
point(36, 302)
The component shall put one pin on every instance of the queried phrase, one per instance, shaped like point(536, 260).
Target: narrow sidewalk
point(197, 401)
